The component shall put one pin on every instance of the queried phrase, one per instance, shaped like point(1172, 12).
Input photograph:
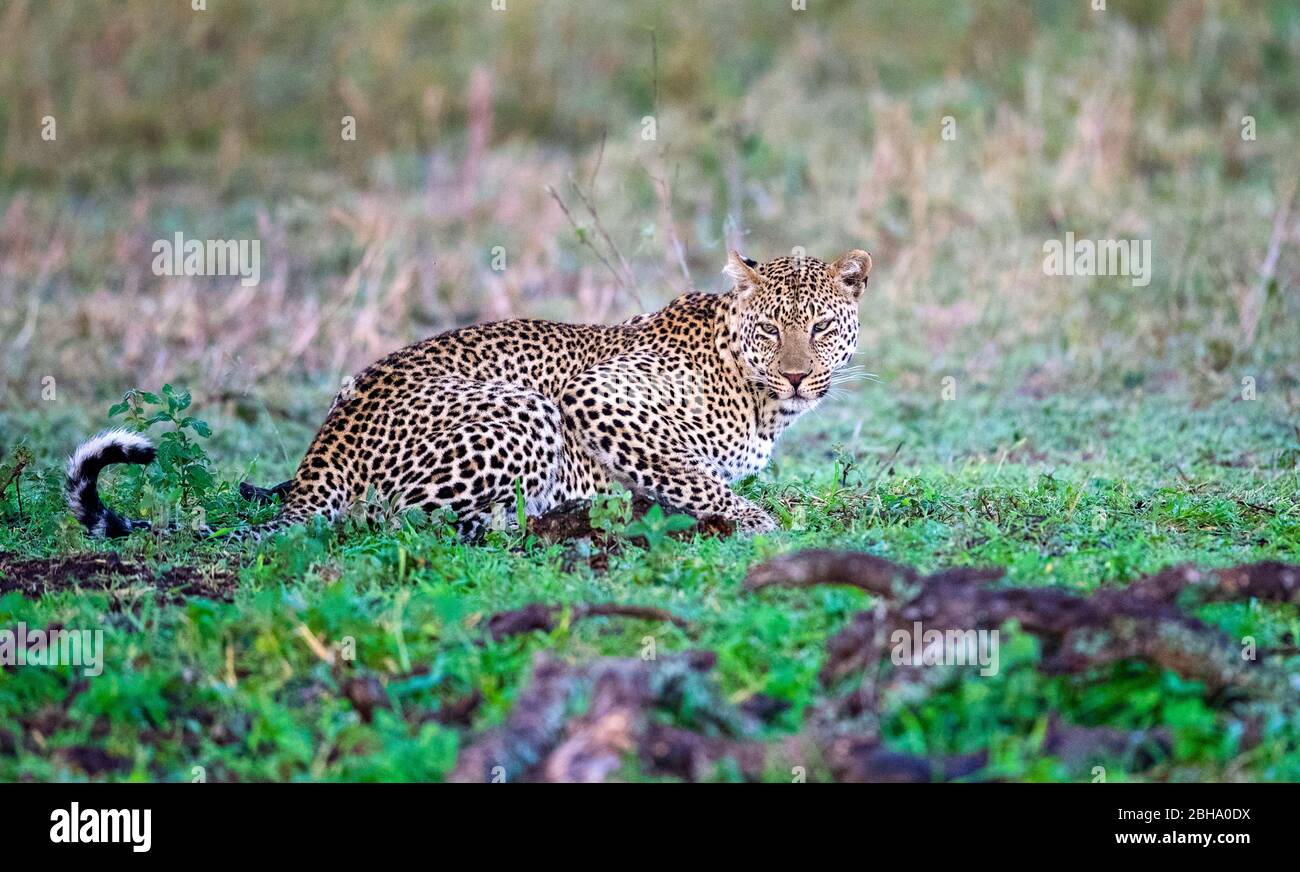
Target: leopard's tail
point(122, 446)
point(82, 487)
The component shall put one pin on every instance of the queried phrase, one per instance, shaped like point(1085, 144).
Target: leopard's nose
point(794, 378)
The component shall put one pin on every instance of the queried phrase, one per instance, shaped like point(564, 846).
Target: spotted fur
point(681, 402)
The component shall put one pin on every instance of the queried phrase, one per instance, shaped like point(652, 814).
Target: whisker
point(838, 379)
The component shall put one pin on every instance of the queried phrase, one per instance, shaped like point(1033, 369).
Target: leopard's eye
point(823, 325)
point(768, 329)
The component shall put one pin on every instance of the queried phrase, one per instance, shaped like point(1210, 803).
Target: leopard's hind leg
point(432, 442)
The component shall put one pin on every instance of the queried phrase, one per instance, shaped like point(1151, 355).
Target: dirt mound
point(36, 577)
point(571, 520)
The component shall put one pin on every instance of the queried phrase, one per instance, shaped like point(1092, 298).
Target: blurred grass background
point(775, 128)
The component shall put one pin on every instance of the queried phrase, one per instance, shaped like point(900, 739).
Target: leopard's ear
point(851, 272)
point(740, 270)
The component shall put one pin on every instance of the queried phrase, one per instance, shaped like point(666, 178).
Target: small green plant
point(656, 527)
point(11, 472)
point(611, 510)
point(183, 471)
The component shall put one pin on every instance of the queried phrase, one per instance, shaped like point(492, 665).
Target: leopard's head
point(796, 322)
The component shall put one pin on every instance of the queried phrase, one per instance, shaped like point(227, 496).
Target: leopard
point(680, 403)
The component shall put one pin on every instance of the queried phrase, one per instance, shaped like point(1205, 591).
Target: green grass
point(1069, 492)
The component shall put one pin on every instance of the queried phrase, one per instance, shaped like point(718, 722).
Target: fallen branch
point(1142, 621)
point(538, 616)
point(826, 566)
point(545, 737)
point(578, 723)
